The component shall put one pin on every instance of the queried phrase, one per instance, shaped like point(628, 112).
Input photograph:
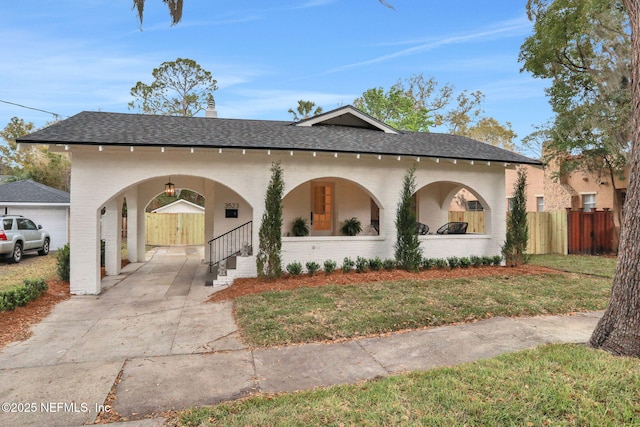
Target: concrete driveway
point(75, 355)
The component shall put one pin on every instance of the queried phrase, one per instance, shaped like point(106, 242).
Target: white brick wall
point(99, 177)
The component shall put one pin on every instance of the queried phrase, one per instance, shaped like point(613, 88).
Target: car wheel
point(16, 255)
point(45, 248)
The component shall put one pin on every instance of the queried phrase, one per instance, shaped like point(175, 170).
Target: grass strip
point(584, 264)
point(559, 385)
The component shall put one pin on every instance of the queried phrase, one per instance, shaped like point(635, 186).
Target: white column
point(132, 225)
point(112, 235)
point(209, 216)
point(84, 244)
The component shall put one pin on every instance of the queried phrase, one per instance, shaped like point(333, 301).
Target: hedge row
point(362, 265)
point(21, 295)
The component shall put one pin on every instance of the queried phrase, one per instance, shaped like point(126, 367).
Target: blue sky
point(70, 56)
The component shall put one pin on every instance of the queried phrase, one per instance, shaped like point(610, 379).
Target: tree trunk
point(619, 329)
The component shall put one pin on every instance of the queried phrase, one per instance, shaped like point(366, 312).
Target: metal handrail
point(230, 243)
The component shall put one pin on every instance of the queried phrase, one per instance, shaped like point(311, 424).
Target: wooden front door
point(323, 207)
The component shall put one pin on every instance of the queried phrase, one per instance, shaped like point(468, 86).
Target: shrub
point(442, 263)
point(453, 261)
point(294, 268)
point(300, 227)
point(476, 261)
point(347, 265)
point(21, 295)
point(63, 267)
point(496, 260)
point(487, 260)
point(329, 266)
point(375, 264)
point(362, 265)
point(312, 267)
point(428, 263)
point(389, 264)
point(351, 227)
point(465, 262)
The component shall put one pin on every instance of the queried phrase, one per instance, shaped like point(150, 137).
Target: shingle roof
point(100, 128)
point(28, 191)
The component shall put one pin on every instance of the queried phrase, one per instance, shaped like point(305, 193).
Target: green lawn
point(586, 264)
point(31, 267)
point(556, 385)
point(349, 311)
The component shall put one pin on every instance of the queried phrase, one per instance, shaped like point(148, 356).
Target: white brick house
point(337, 165)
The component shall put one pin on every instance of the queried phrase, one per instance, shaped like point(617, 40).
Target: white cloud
point(504, 29)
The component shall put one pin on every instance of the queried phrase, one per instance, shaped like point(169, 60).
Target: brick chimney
point(211, 108)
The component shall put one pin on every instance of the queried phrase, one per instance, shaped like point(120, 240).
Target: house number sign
point(231, 210)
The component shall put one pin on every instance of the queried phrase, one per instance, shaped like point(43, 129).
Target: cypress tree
point(269, 260)
point(408, 252)
point(515, 246)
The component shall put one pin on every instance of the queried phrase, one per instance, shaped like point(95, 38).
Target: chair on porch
point(453, 228)
point(421, 228)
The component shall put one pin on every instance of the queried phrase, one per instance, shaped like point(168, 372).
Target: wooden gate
point(590, 232)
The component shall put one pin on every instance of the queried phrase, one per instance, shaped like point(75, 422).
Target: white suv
point(19, 234)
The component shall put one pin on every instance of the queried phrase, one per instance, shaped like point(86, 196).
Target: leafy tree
point(305, 110)
point(180, 88)
point(618, 331)
point(515, 246)
point(408, 253)
point(419, 104)
point(269, 260)
point(395, 108)
point(32, 162)
point(584, 47)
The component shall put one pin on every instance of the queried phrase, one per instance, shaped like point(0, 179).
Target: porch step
point(236, 267)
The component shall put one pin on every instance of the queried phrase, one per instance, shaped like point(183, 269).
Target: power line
point(56, 116)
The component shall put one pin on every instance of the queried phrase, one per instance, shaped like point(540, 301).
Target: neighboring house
point(180, 206)
point(337, 165)
point(44, 205)
point(580, 190)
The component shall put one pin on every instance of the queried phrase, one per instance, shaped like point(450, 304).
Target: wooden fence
point(174, 228)
point(474, 218)
point(547, 230)
point(590, 232)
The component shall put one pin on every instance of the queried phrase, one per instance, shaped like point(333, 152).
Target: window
point(510, 203)
point(26, 224)
point(474, 205)
point(540, 204)
point(7, 223)
point(588, 202)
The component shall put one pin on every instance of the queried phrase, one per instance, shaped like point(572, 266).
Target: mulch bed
point(15, 325)
point(249, 286)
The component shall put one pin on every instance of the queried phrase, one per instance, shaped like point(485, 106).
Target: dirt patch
point(15, 325)
point(249, 286)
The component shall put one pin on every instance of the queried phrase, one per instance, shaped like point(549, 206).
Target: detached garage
point(44, 205)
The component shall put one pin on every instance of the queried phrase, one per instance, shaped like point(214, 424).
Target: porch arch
point(327, 201)
point(434, 199)
point(225, 209)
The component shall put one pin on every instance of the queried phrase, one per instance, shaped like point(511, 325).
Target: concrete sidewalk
point(160, 346)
